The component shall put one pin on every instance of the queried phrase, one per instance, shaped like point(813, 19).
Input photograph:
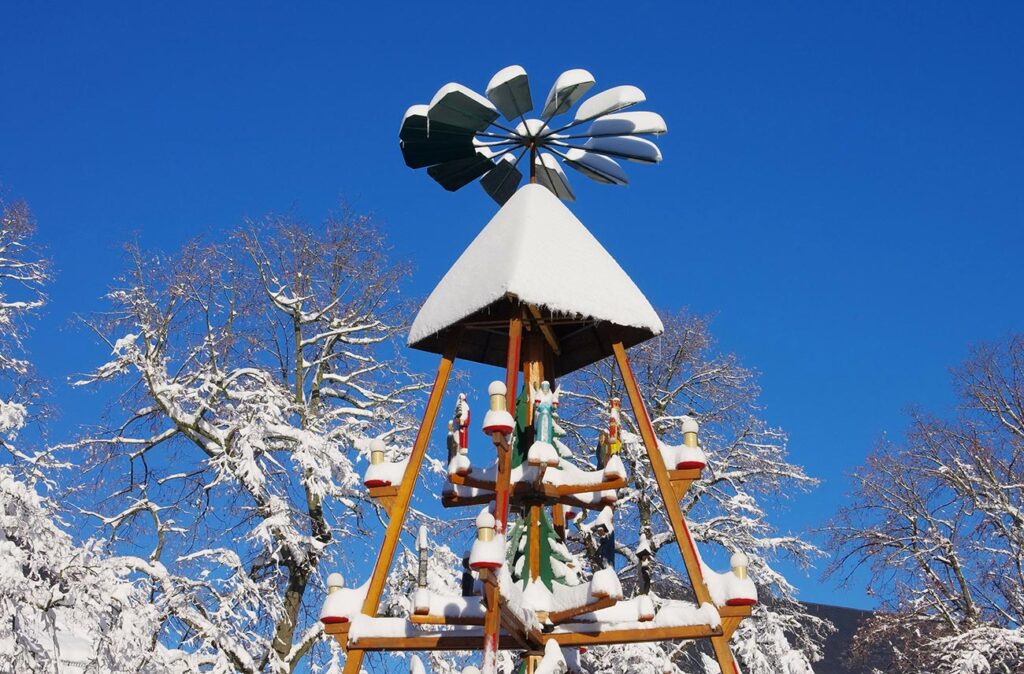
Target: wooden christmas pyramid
point(501, 313)
point(536, 294)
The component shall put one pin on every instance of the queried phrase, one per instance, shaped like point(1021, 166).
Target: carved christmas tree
point(537, 295)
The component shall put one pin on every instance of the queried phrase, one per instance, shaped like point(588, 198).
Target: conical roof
point(534, 253)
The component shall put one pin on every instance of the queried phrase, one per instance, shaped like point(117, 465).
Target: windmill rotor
point(462, 136)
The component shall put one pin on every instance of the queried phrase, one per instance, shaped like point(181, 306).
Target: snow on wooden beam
point(471, 639)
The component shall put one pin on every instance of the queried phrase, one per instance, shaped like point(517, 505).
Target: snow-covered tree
point(938, 520)
point(682, 373)
point(244, 373)
point(67, 607)
point(63, 606)
point(24, 275)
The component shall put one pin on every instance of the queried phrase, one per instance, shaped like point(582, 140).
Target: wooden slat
point(400, 507)
point(528, 490)
point(563, 616)
point(567, 489)
point(477, 621)
point(734, 611)
point(684, 474)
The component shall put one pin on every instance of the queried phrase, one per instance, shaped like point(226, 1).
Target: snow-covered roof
point(536, 251)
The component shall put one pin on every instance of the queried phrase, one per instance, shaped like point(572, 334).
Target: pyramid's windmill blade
point(567, 89)
point(509, 90)
point(609, 101)
point(462, 107)
point(444, 142)
point(551, 176)
point(501, 181)
point(458, 173)
point(627, 123)
point(596, 167)
point(629, 148)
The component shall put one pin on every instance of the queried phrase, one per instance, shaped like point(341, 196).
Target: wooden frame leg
point(724, 655)
point(668, 495)
point(400, 509)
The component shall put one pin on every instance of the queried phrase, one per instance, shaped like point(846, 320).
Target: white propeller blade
point(461, 106)
point(551, 176)
point(567, 89)
point(626, 123)
point(596, 167)
point(630, 148)
point(611, 100)
point(509, 90)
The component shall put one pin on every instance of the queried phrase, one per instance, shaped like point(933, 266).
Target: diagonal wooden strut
point(668, 495)
point(399, 508)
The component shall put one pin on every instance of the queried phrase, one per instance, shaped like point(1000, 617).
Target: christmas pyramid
point(536, 294)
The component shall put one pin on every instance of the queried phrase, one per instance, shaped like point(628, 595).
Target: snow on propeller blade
point(462, 136)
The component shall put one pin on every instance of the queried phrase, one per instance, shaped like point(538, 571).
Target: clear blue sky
point(842, 184)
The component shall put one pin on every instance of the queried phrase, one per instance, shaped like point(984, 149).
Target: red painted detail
point(570, 515)
point(583, 649)
point(502, 513)
point(740, 601)
point(377, 483)
point(485, 565)
point(498, 428)
point(333, 620)
point(687, 465)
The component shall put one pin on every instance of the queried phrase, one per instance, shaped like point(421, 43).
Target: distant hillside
point(837, 644)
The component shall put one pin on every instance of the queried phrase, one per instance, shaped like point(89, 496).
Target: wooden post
point(492, 593)
point(558, 517)
point(668, 495)
point(400, 508)
point(534, 541)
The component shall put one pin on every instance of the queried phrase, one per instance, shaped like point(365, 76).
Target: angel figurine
point(543, 413)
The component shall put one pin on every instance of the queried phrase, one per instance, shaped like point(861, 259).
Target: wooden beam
point(675, 514)
point(469, 640)
point(385, 495)
point(545, 329)
point(534, 551)
point(719, 643)
point(732, 616)
point(526, 489)
point(335, 629)
point(567, 489)
point(515, 342)
point(476, 621)
point(400, 508)
point(629, 636)
point(558, 519)
point(492, 593)
point(682, 479)
point(563, 616)
point(724, 655)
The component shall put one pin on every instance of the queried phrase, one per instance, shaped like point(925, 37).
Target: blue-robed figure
point(543, 414)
